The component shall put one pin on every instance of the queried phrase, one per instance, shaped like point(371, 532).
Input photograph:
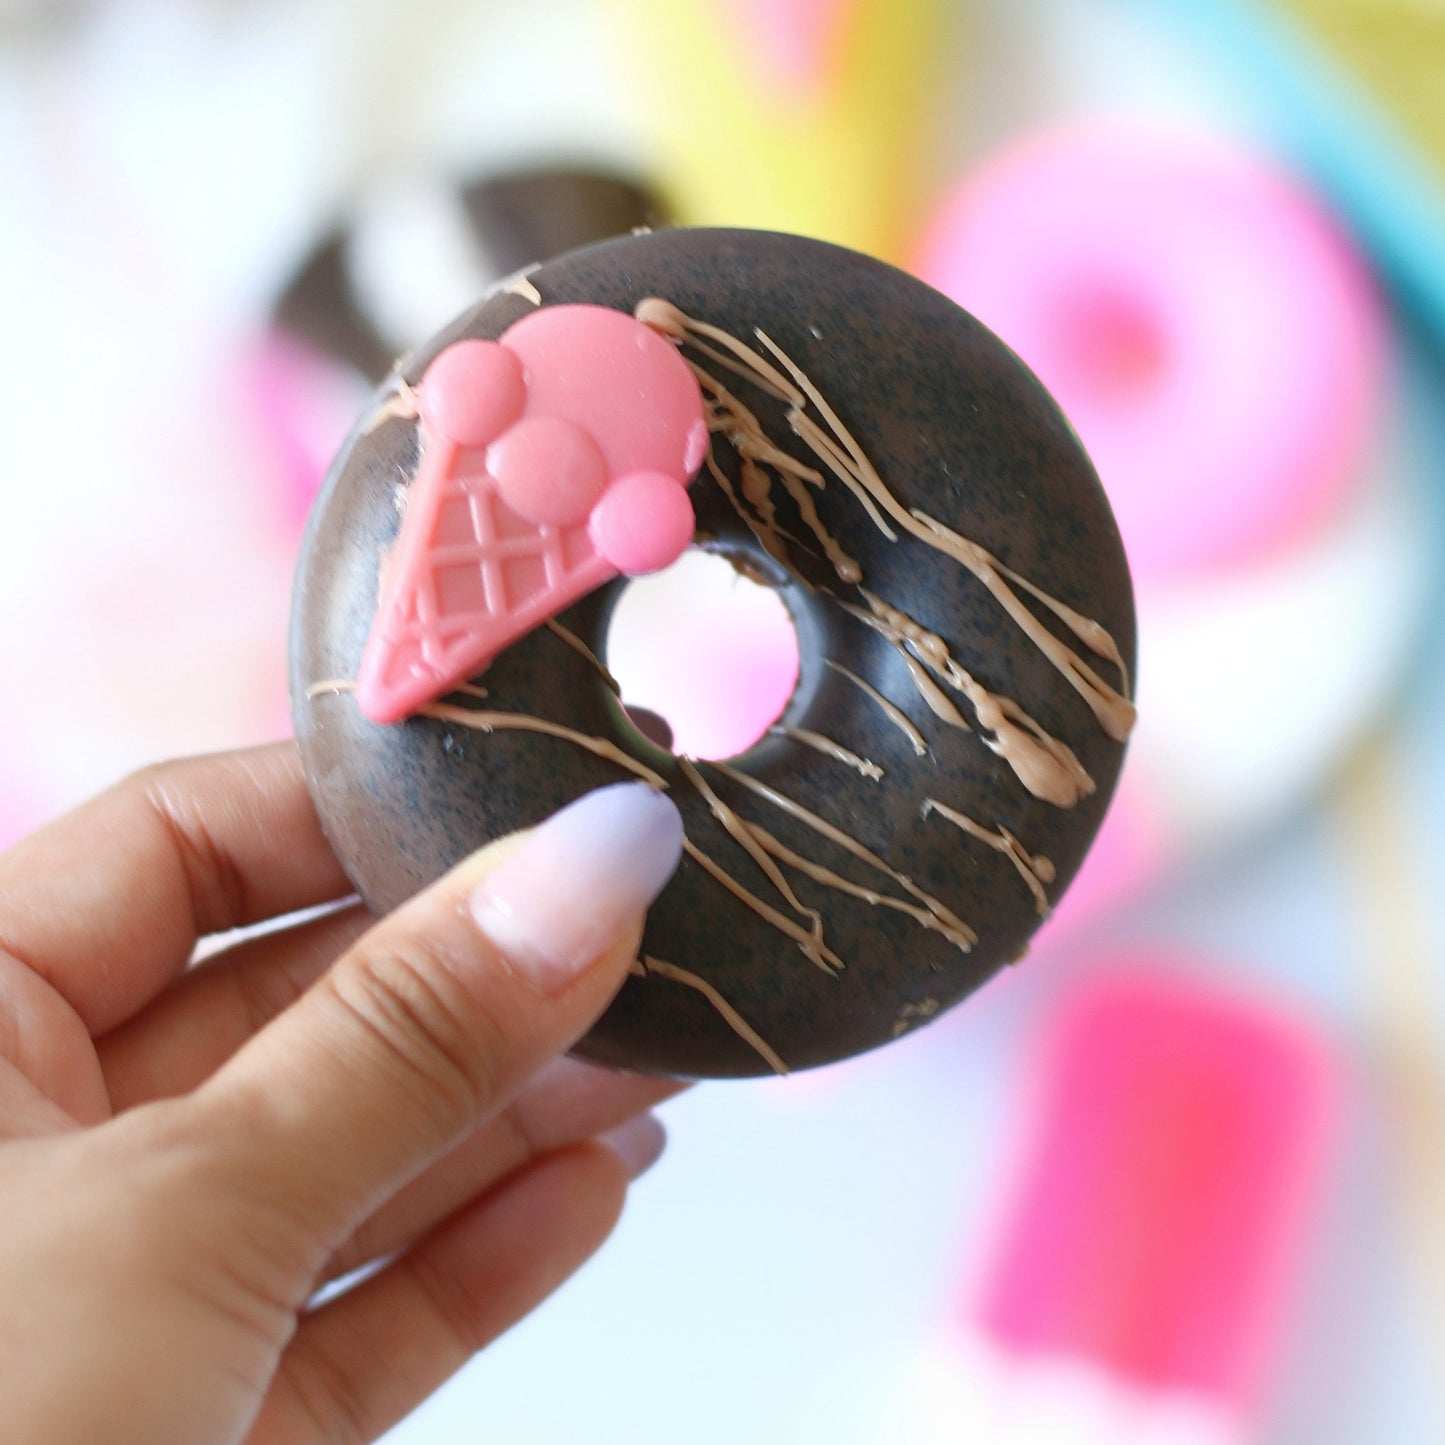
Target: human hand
point(187, 1154)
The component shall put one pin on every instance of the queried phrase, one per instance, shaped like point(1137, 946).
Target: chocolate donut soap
point(837, 431)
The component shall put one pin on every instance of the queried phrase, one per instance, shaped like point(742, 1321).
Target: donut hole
point(705, 657)
point(1109, 344)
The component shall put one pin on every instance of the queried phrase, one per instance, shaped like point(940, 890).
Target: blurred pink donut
point(1203, 324)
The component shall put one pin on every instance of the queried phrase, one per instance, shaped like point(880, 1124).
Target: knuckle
point(434, 1032)
point(328, 1395)
point(215, 885)
point(448, 1302)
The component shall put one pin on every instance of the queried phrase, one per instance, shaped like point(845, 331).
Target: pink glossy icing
point(552, 460)
point(643, 523)
point(472, 393)
point(1202, 322)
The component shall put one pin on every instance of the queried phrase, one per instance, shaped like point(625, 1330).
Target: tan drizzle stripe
point(522, 285)
point(487, 722)
point(743, 431)
point(648, 965)
point(844, 565)
point(1046, 766)
point(843, 840)
point(1092, 634)
point(581, 648)
point(1061, 751)
point(825, 449)
point(814, 950)
point(846, 439)
point(737, 829)
point(928, 690)
point(891, 710)
point(932, 694)
point(722, 359)
point(825, 745)
point(330, 687)
point(401, 402)
point(757, 489)
point(828, 452)
point(769, 537)
point(1114, 711)
point(740, 425)
point(672, 321)
point(815, 870)
point(1035, 871)
point(847, 459)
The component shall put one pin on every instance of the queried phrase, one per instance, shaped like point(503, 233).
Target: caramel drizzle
point(845, 457)
point(844, 840)
point(1113, 710)
point(1047, 767)
point(330, 687)
point(740, 358)
point(937, 700)
point(1093, 635)
point(522, 285)
point(811, 944)
point(891, 710)
point(763, 847)
point(738, 829)
point(758, 456)
point(814, 951)
point(825, 745)
point(401, 402)
point(581, 648)
point(963, 941)
point(1033, 868)
point(647, 965)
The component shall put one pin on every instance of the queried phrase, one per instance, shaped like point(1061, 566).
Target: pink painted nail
point(576, 881)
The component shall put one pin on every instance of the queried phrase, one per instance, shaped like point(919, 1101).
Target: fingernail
point(576, 881)
point(638, 1143)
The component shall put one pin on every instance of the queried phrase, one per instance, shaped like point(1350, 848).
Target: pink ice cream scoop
point(552, 460)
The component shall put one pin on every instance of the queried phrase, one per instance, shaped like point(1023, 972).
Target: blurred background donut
point(1228, 360)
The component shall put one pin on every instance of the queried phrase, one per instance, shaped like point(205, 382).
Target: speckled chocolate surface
point(956, 427)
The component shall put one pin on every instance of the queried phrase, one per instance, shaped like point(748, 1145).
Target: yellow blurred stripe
point(1396, 49)
point(842, 160)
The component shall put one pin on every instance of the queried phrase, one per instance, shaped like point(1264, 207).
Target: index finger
point(107, 903)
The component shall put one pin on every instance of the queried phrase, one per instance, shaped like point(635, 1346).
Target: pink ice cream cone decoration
point(551, 461)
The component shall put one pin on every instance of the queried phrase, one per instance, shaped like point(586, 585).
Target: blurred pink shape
point(1203, 323)
point(301, 404)
point(1168, 1177)
point(713, 653)
point(20, 810)
point(795, 41)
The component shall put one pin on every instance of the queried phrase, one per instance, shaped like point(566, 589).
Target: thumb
point(438, 1015)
